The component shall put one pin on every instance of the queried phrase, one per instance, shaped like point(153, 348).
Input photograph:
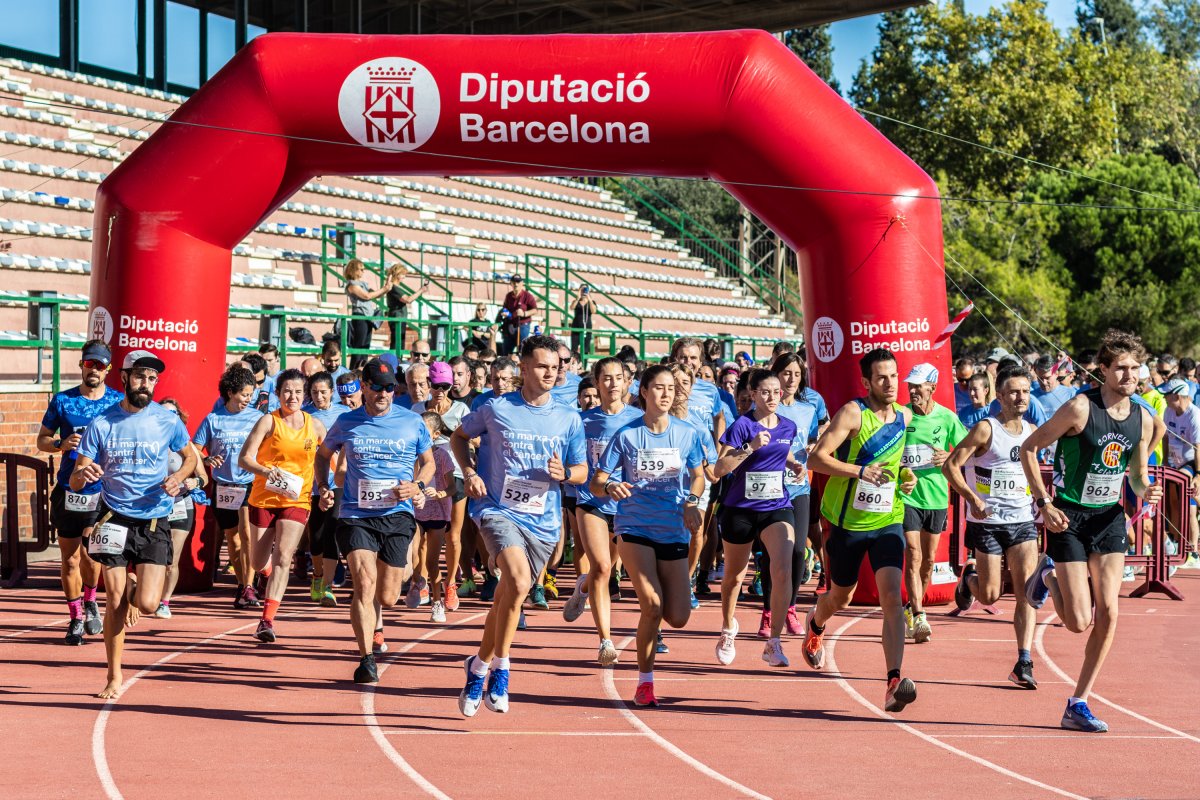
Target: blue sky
point(854, 39)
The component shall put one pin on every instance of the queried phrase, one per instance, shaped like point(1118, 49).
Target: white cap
point(1143, 373)
point(143, 358)
point(922, 373)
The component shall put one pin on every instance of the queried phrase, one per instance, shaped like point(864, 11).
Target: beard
point(138, 398)
point(92, 381)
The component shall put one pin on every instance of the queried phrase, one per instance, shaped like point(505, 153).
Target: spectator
point(581, 322)
point(516, 315)
point(481, 331)
point(397, 303)
point(361, 299)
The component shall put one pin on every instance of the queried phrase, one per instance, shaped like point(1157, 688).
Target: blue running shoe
point(472, 694)
point(1078, 717)
point(488, 590)
point(1036, 590)
point(695, 601)
point(660, 646)
point(496, 698)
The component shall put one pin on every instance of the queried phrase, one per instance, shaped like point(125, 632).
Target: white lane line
point(748, 679)
point(874, 709)
point(610, 689)
point(38, 628)
point(99, 756)
point(1024, 736)
point(368, 712)
point(512, 733)
point(1039, 644)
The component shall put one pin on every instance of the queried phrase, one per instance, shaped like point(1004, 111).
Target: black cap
point(378, 373)
point(97, 351)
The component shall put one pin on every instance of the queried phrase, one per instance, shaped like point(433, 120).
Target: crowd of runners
point(429, 481)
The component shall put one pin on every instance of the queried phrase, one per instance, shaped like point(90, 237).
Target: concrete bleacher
point(61, 133)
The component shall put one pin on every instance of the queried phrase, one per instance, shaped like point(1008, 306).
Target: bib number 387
point(875, 499)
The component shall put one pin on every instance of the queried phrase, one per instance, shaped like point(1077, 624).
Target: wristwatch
point(692, 500)
point(746, 448)
point(421, 485)
point(1042, 502)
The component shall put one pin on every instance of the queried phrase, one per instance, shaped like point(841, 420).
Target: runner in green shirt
point(932, 431)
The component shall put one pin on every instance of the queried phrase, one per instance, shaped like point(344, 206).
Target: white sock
point(646, 677)
point(499, 663)
point(1073, 700)
point(478, 667)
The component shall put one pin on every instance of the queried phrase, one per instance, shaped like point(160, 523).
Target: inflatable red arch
point(737, 107)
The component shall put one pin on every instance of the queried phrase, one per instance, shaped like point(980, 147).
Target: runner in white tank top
point(999, 510)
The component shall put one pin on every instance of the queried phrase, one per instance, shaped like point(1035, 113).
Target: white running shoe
point(608, 653)
point(773, 654)
point(437, 612)
point(575, 605)
point(726, 651)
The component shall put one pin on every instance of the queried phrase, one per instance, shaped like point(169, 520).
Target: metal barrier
point(1150, 533)
point(14, 566)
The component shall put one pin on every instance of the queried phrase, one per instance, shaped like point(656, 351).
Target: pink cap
point(440, 372)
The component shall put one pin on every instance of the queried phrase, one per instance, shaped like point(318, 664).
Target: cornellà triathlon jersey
point(857, 505)
point(1089, 468)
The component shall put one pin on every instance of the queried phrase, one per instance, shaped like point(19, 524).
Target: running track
point(208, 712)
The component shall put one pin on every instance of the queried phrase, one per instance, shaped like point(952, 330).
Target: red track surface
point(215, 714)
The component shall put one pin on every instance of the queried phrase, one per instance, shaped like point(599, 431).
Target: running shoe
point(726, 650)
point(239, 600)
point(339, 575)
point(608, 653)
point(74, 633)
point(163, 611)
point(537, 596)
point(317, 590)
point(466, 588)
point(229, 570)
point(773, 654)
point(694, 601)
point(328, 599)
point(575, 605)
point(1078, 717)
point(717, 575)
point(792, 622)
point(550, 586)
point(265, 631)
point(614, 587)
point(366, 672)
point(1022, 675)
point(807, 572)
point(1036, 588)
point(487, 592)
point(814, 647)
point(922, 633)
point(909, 633)
point(644, 695)
point(496, 697)
point(378, 644)
point(962, 591)
point(472, 694)
point(437, 613)
point(660, 645)
point(756, 585)
point(450, 595)
point(413, 598)
point(252, 600)
point(764, 624)
point(521, 624)
point(900, 692)
point(1192, 561)
point(92, 623)
point(702, 587)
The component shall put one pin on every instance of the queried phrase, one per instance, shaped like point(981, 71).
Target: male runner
point(532, 445)
point(1099, 433)
point(861, 452)
point(387, 454)
point(126, 449)
point(999, 511)
point(933, 430)
point(74, 513)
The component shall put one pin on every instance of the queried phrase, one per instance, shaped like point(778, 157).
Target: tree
point(1176, 27)
point(814, 46)
point(1121, 24)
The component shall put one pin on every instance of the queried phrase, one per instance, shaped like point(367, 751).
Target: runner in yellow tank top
point(280, 452)
point(861, 452)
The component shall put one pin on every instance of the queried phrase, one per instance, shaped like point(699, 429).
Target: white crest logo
point(827, 339)
point(100, 324)
point(390, 104)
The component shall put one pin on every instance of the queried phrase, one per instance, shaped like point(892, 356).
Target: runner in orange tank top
point(280, 452)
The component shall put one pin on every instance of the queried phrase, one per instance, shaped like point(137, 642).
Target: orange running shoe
point(379, 645)
point(814, 646)
point(450, 595)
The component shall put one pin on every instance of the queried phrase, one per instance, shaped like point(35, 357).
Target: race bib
point(376, 494)
point(108, 539)
point(917, 456)
point(1009, 482)
point(523, 496)
point(82, 502)
point(875, 499)
point(764, 485)
point(1102, 490)
point(658, 462)
point(285, 483)
point(179, 511)
point(230, 497)
point(595, 450)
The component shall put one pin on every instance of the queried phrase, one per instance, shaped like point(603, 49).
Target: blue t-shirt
point(708, 447)
point(764, 469)
point(704, 400)
point(598, 428)
point(659, 466)
point(223, 433)
point(970, 416)
point(1052, 401)
point(70, 412)
point(326, 417)
point(521, 438)
point(1035, 414)
point(568, 393)
point(962, 398)
point(379, 453)
point(481, 399)
point(804, 416)
point(134, 452)
point(813, 398)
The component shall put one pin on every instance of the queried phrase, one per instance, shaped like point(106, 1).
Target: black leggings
point(800, 527)
point(359, 337)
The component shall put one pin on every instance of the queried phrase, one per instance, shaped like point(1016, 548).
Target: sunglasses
point(92, 363)
point(420, 355)
point(379, 387)
point(442, 387)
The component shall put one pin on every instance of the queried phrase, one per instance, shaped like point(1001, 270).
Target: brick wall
point(20, 419)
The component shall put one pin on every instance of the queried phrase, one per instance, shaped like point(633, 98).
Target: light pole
point(1112, 99)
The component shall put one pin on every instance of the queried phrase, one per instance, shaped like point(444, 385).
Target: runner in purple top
point(757, 452)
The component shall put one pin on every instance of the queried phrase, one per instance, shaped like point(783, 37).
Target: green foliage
point(1176, 28)
point(1121, 25)
point(814, 46)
